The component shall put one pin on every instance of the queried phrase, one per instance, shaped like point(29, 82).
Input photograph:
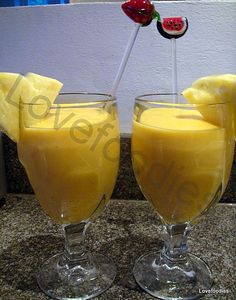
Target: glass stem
point(74, 241)
point(175, 248)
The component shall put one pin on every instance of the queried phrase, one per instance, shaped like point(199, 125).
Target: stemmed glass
point(70, 151)
point(182, 162)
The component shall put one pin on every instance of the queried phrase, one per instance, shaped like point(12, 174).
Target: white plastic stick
point(174, 71)
point(125, 59)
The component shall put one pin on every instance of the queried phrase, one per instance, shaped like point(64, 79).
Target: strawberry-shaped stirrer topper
point(142, 12)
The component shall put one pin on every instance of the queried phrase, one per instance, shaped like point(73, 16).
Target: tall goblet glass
point(70, 152)
point(182, 163)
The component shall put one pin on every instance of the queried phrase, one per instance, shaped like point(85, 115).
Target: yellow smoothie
point(71, 157)
point(179, 161)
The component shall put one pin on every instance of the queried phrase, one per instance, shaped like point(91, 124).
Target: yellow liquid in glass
point(71, 158)
point(179, 161)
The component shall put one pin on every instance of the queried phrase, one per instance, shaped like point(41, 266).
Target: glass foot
point(167, 279)
point(83, 279)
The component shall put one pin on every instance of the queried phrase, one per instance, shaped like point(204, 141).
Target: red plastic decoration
point(140, 11)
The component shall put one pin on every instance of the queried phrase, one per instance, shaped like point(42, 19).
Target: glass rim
point(105, 97)
point(144, 99)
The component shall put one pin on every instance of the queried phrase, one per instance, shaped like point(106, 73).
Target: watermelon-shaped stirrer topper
point(172, 27)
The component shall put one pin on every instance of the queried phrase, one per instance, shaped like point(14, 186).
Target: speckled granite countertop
point(125, 230)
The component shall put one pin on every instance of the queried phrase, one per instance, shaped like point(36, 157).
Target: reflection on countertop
point(124, 231)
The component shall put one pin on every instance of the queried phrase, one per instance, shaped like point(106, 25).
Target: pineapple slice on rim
point(217, 89)
point(213, 89)
point(32, 88)
point(45, 87)
point(43, 93)
point(11, 87)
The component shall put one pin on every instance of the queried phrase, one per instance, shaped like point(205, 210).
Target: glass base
point(83, 279)
point(168, 280)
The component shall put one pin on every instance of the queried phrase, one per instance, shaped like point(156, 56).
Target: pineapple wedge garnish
point(43, 86)
point(30, 88)
point(211, 90)
point(11, 88)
